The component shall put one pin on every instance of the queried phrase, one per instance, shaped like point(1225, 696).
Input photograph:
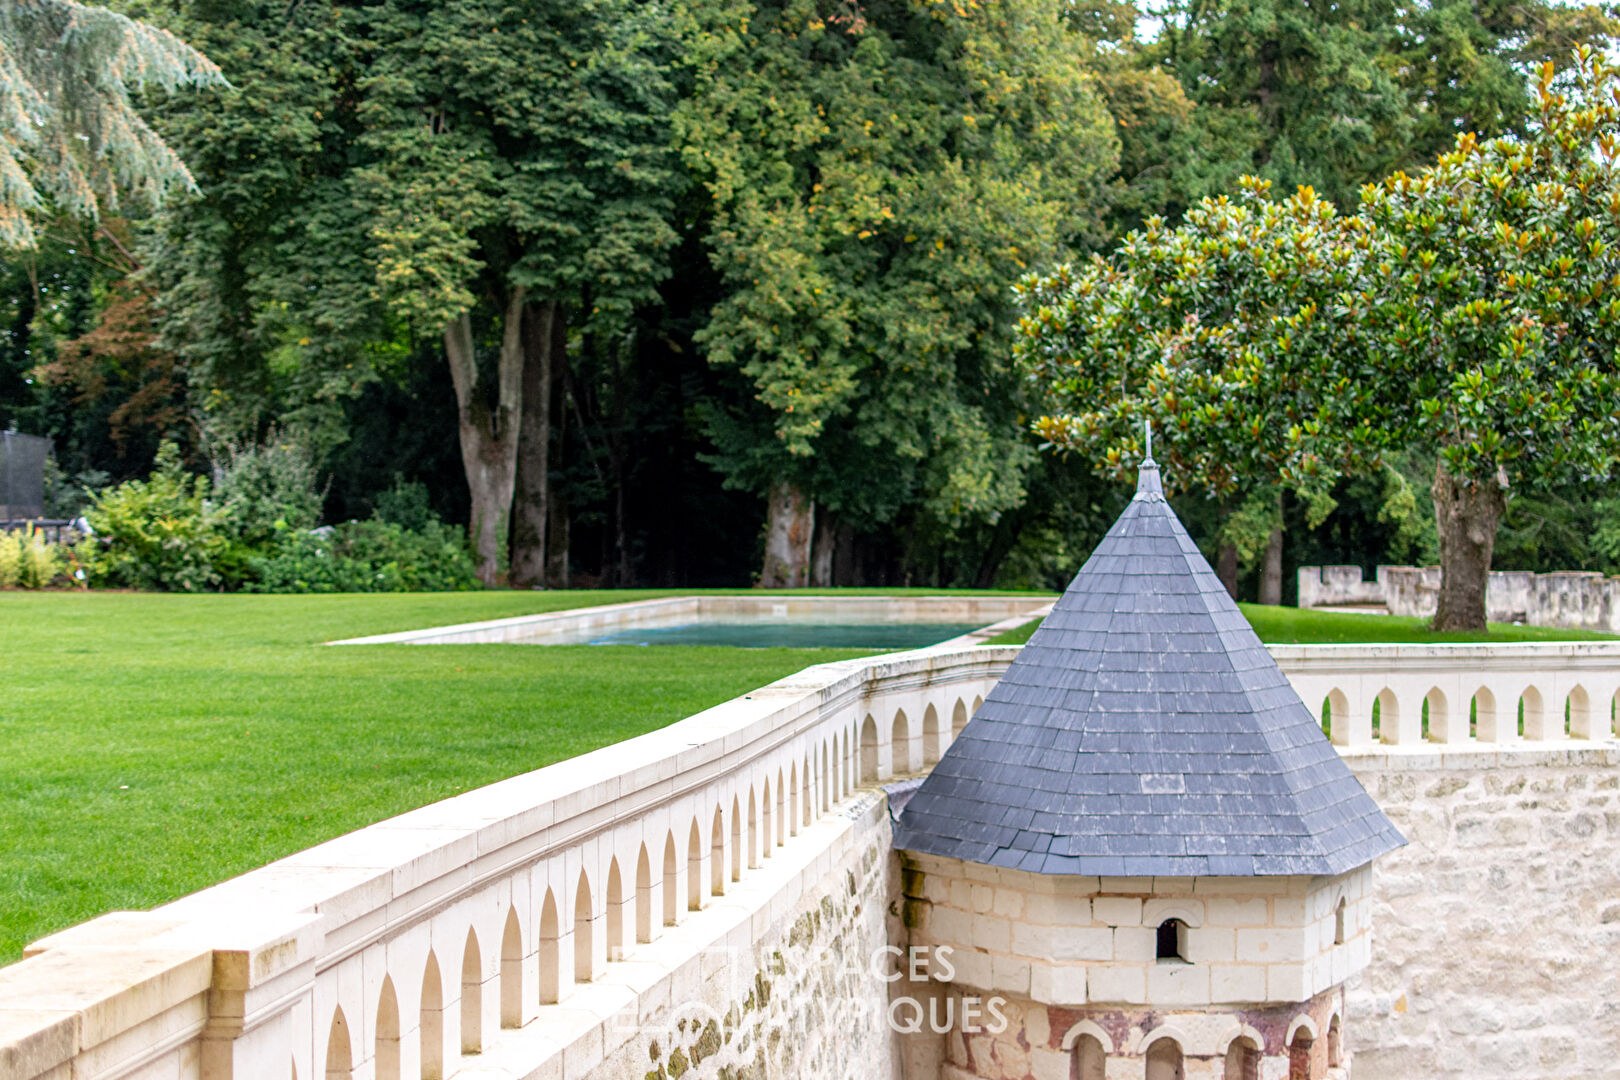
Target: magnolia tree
point(1488, 317)
point(1472, 309)
point(1219, 334)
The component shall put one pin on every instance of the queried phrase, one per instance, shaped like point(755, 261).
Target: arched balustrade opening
point(584, 958)
point(869, 751)
point(900, 744)
point(430, 1024)
point(694, 868)
point(339, 1051)
point(512, 972)
point(550, 949)
point(671, 881)
point(386, 1050)
point(472, 996)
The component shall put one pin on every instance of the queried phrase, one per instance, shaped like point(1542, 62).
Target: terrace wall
point(553, 924)
point(1577, 599)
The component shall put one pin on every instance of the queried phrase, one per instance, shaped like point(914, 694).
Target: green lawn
point(155, 744)
point(1286, 626)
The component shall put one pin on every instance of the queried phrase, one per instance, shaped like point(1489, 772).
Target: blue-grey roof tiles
point(1145, 731)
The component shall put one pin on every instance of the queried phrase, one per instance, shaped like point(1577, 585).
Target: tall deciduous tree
point(519, 168)
point(879, 176)
point(71, 140)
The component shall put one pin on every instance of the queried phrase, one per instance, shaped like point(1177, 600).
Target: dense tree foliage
point(699, 293)
point(879, 180)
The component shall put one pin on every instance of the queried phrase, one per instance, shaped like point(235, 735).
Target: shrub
point(28, 561)
point(40, 563)
point(264, 491)
point(157, 533)
point(368, 556)
point(10, 559)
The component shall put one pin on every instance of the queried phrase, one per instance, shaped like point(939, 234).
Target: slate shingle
point(1145, 731)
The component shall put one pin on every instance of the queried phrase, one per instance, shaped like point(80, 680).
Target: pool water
point(786, 634)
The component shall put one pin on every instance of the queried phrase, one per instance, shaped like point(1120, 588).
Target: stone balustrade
point(507, 931)
point(525, 928)
point(1459, 694)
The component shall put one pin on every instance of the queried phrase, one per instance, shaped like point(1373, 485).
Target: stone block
point(1271, 946)
point(1117, 983)
point(1236, 911)
point(1009, 903)
point(1237, 983)
point(989, 932)
point(1211, 944)
point(1048, 1065)
point(1287, 982)
point(951, 926)
point(1117, 910)
point(1010, 974)
point(1058, 984)
point(1138, 944)
point(1090, 943)
point(1178, 984)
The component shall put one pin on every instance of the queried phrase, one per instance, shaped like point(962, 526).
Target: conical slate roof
point(1145, 731)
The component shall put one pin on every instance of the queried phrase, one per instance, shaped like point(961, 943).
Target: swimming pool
point(751, 621)
point(784, 634)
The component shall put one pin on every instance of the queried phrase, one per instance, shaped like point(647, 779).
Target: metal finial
point(1147, 431)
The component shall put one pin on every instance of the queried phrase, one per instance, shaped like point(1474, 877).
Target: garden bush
point(368, 556)
point(28, 561)
point(159, 533)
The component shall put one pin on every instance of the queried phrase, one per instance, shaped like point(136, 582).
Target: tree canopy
point(71, 139)
point(1468, 309)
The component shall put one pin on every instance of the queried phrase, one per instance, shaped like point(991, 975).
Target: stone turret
point(1143, 842)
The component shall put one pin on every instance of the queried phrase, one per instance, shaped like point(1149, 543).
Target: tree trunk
point(1465, 516)
point(1271, 571)
point(489, 432)
point(557, 523)
point(821, 558)
point(1226, 568)
point(531, 498)
point(790, 520)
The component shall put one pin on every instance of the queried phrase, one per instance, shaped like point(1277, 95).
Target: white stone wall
point(1497, 929)
point(1076, 940)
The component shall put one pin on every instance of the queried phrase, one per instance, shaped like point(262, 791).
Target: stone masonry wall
point(800, 997)
point(1496, 930)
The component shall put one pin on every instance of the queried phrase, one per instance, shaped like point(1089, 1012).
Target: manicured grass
point(155, 744)
point(1287, 626)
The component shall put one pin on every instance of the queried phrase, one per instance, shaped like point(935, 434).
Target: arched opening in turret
point(1299, 1055)
point(1338, 923)
point(1242, 1059)
point(1172, 942)
point(1090, 1059)
point(1164, 1061)
point(1335, 1045)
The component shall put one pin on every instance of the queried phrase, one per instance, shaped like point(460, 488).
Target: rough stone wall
point(1037, 1041)
point(1496, 930)
point(1577, 599)
point(803, 998)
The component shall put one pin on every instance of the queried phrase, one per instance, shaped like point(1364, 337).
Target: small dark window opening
point(1173, 941)
point(1338, 923)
